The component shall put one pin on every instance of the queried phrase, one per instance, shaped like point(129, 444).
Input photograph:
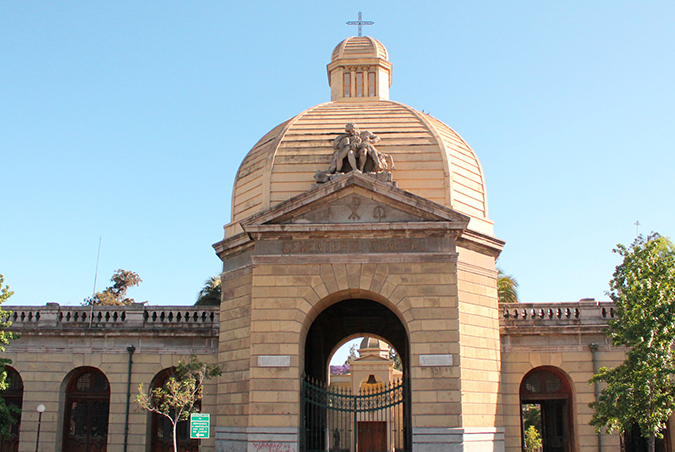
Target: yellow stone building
point(358, 217)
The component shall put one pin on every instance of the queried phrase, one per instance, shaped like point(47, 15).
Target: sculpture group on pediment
point(354, 150)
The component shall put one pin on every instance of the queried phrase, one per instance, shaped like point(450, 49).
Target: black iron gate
point(377, 419)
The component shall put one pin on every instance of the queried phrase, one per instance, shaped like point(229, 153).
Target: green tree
point(532, 439)
point(210, 295)
point(177, 398)
point(394, 357)
point(8, 413)
point(116, 294)
point(507, 288)
point(531, 416)
point(640, 390)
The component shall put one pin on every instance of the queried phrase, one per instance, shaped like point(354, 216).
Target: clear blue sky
point(127, 120)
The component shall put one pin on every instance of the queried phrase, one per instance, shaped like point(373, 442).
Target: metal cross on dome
point(360, 23)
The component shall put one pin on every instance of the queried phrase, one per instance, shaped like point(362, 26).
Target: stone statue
point(354, 150)
point(378, 160)
point(346, 145)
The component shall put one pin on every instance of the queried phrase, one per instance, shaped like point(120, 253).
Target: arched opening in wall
point(161, 429)
point(546, 410)
point(367, 407)
point(633, 441)
point(13, 396)
point(85, 424)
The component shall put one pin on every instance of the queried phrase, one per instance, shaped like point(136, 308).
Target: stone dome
point(372, 343)
point(431, 160)
point(358, 47)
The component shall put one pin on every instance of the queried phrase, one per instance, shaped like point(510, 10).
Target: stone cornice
point(421, 226)
point(360, 258)
point(236, 244)
point(481, 242)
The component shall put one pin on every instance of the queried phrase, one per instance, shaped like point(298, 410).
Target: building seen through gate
point(363, 410)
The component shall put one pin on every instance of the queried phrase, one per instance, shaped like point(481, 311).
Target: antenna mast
point(98, 257)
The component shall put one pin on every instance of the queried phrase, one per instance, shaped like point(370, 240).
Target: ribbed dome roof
point(372, 343)
point(360, 47)
point(431, 159)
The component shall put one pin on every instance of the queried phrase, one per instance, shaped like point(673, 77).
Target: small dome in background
point(373, 347)
point(372, 343)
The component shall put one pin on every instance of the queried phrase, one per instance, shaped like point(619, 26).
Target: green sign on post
point(200, 425)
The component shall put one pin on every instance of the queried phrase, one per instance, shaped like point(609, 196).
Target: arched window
point(85, 425)
point(161, 429)
point(13, 395)
point(546, 407)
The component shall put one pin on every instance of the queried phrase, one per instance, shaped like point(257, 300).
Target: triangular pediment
point(372, 358)
point(356, 199)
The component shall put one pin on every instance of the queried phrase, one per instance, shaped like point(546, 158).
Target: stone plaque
point(356, 246)
point(435, 360)
point(274, 361)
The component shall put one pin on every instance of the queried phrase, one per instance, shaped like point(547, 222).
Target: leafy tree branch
point(178, 397)
point(641, 390)
point(8, 413)
point(116, 294)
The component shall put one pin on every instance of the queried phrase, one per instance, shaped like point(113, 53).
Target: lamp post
point(40, 409)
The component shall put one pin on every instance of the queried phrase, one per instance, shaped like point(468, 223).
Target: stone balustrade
point(136, 315)
point(581, 313)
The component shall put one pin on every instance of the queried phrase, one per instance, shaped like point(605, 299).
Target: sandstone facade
point(405, 255)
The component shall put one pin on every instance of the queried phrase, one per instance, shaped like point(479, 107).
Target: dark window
point(87, 408)
point(13, 395)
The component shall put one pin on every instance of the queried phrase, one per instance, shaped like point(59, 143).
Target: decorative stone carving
point(354, 150)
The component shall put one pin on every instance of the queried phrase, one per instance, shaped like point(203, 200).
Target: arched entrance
point(350, 318)
point(546, 401)
point(633, 441)
point(338, 420)
point(13, 395)
point(161, 429)
point(87, 408)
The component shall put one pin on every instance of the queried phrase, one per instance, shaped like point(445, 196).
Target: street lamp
point(40, 409)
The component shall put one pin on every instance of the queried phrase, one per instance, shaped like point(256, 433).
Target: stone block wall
point(286, 297)
point(234, 349)
point(557, 335)
point(479, 339)
point(52, 344)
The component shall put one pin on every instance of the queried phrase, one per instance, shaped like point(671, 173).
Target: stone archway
point(161, 429)
point(546, 402)
point(349, 318)
point(87, 409)
point(345, 421)
point(13, 395)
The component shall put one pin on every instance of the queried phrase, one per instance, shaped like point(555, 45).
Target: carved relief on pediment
point(353, 208)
